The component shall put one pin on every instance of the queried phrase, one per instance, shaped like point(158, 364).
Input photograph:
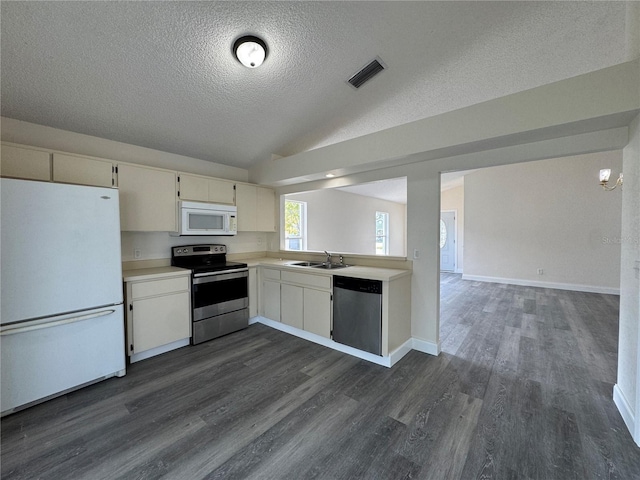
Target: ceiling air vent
point(367, 73)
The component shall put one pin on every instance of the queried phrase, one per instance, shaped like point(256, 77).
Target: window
point(382, 233)
point(443, 234)
point(295, 225)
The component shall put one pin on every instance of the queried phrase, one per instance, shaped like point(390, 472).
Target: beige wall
point(345, 222)
point(453, 199)
point(549, 214)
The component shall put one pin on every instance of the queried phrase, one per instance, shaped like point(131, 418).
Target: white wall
point(550, 214)
point(453, 199)
point(345, 222)
point(626, 391)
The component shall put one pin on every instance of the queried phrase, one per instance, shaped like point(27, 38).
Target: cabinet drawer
point(159, 287)
point(317, 281)
point(271, 273)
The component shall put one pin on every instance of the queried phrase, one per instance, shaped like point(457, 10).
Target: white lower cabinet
point(271, 300)
point(158, 313)
point(317, 312)
point(292, 305)
point(305, 301)
point(159, 320)
point(297, 299)
point(253, 292)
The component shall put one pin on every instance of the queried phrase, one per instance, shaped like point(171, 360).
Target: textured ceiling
point(161, 74)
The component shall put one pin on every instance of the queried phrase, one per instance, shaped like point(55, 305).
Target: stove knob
point(179, 250)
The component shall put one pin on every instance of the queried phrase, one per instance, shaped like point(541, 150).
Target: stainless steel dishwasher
point(357, 313)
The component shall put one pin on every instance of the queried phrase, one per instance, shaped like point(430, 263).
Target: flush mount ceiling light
point(250, 51)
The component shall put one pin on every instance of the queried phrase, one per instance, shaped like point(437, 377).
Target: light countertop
point(153, 273)
point(355, 271)
point(372, 273)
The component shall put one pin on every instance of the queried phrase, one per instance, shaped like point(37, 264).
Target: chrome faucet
point(328, 256)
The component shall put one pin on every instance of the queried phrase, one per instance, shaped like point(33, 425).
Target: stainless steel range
point(220, 290)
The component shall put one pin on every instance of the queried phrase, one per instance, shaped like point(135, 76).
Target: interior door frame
point(455, 238)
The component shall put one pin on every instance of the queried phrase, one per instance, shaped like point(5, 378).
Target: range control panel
point(189, 250)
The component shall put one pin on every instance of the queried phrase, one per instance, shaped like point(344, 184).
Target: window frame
point(303, 227)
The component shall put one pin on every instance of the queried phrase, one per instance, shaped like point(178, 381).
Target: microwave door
point(205, 223)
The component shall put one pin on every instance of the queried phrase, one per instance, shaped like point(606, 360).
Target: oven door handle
point(220, 276)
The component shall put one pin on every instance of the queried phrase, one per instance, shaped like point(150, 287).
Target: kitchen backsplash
point(155, 245)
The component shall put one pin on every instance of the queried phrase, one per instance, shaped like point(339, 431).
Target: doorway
point(448, 241)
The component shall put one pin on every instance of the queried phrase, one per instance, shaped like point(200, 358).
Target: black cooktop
point(203, 258)
point(216, 267)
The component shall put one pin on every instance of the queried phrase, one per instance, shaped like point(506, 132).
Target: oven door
point(218, 293)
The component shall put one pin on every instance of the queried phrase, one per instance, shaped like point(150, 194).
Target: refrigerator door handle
point(45, 323)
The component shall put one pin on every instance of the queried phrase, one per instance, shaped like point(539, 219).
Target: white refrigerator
point(61, 323)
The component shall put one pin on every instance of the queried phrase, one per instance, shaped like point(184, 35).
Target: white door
point(447, 241)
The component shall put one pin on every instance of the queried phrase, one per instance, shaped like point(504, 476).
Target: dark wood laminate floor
point(522, 390)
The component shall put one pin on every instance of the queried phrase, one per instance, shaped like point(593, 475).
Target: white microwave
point(196, 218)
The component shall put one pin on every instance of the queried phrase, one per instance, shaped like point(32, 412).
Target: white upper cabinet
point(82, 170)
point(147, 199)
point(246, 201)
point(256, 208)
point(266, 210)
point(205, 189)
point(27, 163)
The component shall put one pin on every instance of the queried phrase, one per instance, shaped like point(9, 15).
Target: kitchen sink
point(325, 265)
point(307, 264)
point(328, 266)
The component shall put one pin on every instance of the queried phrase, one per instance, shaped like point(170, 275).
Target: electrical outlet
point(540, 271)
point(259, 240)
point(416, 253)
point(137, 253)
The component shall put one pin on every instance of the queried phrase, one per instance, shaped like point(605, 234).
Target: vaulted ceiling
point(162, 75)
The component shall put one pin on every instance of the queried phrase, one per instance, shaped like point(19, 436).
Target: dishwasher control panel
point(358, 284)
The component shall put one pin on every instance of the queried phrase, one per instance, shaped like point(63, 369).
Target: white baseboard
point(535, 283)
point(425, 346)
point(401, 351)
point(136, 357)
point(387, 361)
point(625, 411)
